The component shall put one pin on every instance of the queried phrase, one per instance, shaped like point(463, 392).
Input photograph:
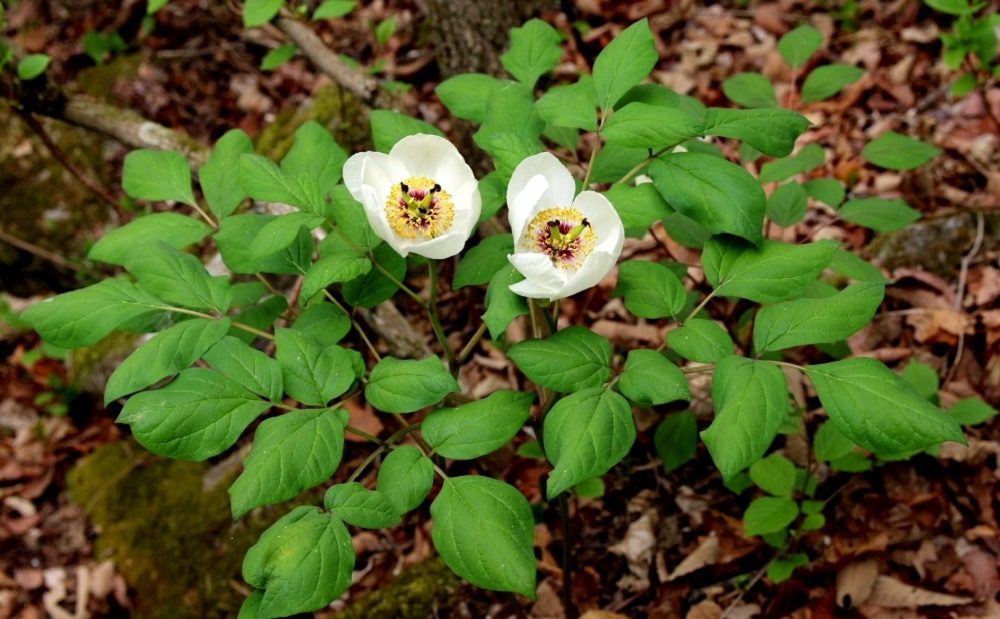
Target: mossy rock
point(414, 594)
point(331, 107)
point(936, 244)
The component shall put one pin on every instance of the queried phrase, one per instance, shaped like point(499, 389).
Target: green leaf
point(219, 177)
point(879, 214)
point(325, 322)
point(719, 195)
point(509, 150)
point(483, 261)
point(568, 360)
point(797, 46)
point(809, 158)
point(405, 478)
point(951, 7)
point(389, 127)
point(493, 190)
point(816, 321)
point(653, 94)
point(332, 9)
point(178, 278)
point(788, 204)
point(676, 440)
point(898, 152)
point(971, 412)
point(175, 230)
point(771, 131)
point(315, 154)
point(157, 175)
point(282, 232)
point(502, 304)
point(625, 62)
point(313, 374)
point(640, 125)
point(649, 379)
point(923, 378)
point(260, 316)
point(751, 90)
point(290, 453)
point(247, 366)
point(303, 562)
point(768, 515)
point(361, 507)
point(511, 109)
point(265, 181)
point(83, 317)
point(775, 475)
point(340, 267)
point(484, 531)
point(167, 353)
point(278, 56)
point(615, 161)
point(574, 105)
point(534, 51)
point(466, 95)
point(352, 223)
point(651, 290)
point(829, 191)
point(701, 340)
point(830, 444)
point(374, 287)
point(259, 12)
point(877, 409)
point(251, 606)
point(585, 434)
point(384, 30)
point(639, 206)
point(198, 415)
point(775, 272)
point(32, 66)
point(751, 402)
point(828, 80)
point(405, 385)
point(478, 428)
point(235, 240)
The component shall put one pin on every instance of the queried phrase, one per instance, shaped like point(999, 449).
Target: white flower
point(562, 244)
point(421, 198)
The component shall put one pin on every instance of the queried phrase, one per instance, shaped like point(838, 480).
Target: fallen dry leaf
point(892, 593)
point(707, 553)
point(855, 582)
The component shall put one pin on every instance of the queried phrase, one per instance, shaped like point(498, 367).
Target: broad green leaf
point(719, 195)
point(260, 316)
point(325, 322)
point(775, 475)
point(751, 90)
point(178, 278)
point(317, 155)
point(259, 12)
point(649, 379)
point(302, 562)
point(493, 189)
point(405, 385)
point(251, 606)
point(332, 9)
point(640, 125)
point(829, 191)
point(374, 287)
point(898, 152)
point(157, 175)
point(83, 317)
point(198, 415)
point(32, 65)
point(534, 51)
point(952, 7)
point(830, 444)
point(568, 360)
point(335, 268)
point(653, 94)
point(175, 230)
point(484, 531)
point(809, 158)
point(788, 204)
point(235, 240)
point(278, 56)
point(247, 293)
point(751, 402)
point(509, 150)
point(384, 30)
point(971, 412)
point(615, 161)
point(574, 105)
point(353, 228)
point(283, 231)
point(467, 94)
point(247, 366)
point(389, 127)
point(290, 453)
point(923, 378)
point(879, 214)
point(816, 321)
point(797, 46)
point(686, 231)
point(676, 440)
point(483, 261)
point(701, 340)
point(781, 569)
point(313, 374)
point(877, 409)
point(651, 290)
point(769, 515)
point(168, 352)
point(511, 109)
point(639, 206)
point(855, 267)
point(405, 478)
point(585, 434)
point(625, 62)
point(478, 428)
point(771, 131)
point(220, 177)
point(826, 81)
point(264, 180)
point(361, 507)
point(502, 304)
point(775, 272)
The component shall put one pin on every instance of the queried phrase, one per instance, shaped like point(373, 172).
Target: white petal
point(433, 157)
point(591, 272)
point(532, 290)
point(377, 170)
point(444, 246)
point(559, 191)
point(522, 206)
point(604, 221)
point(539, 269)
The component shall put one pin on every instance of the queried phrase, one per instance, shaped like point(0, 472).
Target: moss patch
point(414, 594)
point(330, 107)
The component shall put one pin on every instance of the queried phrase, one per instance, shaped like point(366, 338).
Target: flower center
point(418, 206)
point(563, 234)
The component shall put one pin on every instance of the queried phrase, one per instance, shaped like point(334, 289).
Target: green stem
point(642, 164)
point(432, 313)
point(354, 323)
point(593, 157)
point(254, 330)
point(693, 313)
point(471, 345)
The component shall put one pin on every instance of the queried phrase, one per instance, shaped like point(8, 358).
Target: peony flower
point(562, 244)
point(421, 198)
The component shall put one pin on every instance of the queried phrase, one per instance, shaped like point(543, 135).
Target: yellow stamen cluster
point(561, 233)
point(418, 206)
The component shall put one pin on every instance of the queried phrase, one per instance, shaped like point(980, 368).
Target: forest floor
point(914, 538)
